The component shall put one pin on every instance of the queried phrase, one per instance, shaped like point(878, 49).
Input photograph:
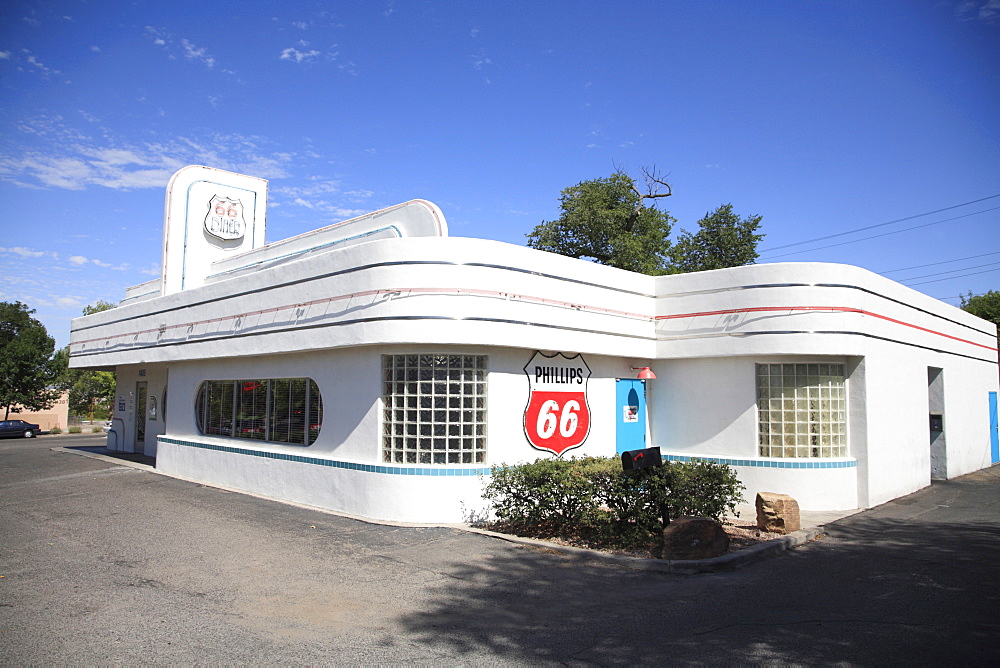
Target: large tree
point(605, 220)
point(27, 367)
point(985, 306)
point(723, 240)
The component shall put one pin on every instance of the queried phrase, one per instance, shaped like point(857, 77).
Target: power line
point(932, 264)
point(960, 297)
point(938, 280)
point(870, 227)
point(884, 234)
point(942, 273)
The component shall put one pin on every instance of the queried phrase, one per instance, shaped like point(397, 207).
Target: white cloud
point(311, 196)
point(294, 54)
point(480, 59)
point(78, 260)
point(158, 35)
point(983, 10)
point(26, 252)
point(28, 62)
point(191, 52)
point(72, 161)
point(68, 302)
point(348, 213)
point(95, 49)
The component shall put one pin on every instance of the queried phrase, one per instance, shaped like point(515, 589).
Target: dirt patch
point(742, 534)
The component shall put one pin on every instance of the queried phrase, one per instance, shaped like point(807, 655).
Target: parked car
point(18, 429)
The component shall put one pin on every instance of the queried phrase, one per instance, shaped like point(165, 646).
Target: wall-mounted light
point(645, 373)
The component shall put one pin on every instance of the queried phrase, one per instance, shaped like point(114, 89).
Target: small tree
point(98, 306)
point(723, 240)
point(27, 366)
point(605, 220)
point(985, 306)
point(90, 392)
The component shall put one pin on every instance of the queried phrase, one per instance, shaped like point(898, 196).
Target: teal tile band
point(769, 463)
point(440, 470)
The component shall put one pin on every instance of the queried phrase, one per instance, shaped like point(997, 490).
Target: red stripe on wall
point(838, 309)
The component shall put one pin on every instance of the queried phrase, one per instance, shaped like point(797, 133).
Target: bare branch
point(655, 181)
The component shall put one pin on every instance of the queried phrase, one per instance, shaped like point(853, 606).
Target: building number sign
point(557, 417)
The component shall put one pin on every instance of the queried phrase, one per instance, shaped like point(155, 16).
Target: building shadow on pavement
point(124, 456)
point(877, 589)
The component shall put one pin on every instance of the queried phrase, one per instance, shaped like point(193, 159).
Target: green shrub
point(547, 495)
point(703, 489)
point(75, 430)
point(55, 430)
point(593, 500)
point(96, 430)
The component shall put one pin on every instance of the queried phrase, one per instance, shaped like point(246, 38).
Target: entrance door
point(994, 436)
point(935, 404)
point(140, 417)
point(630, 415)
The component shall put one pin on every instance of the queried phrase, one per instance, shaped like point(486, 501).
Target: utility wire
point(871, 227)
point(884, 234)
point(936, 280)
point(932, 264)
point(960, 297)
point(942, 273)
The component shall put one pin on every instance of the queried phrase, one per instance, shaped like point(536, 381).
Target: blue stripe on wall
point(441, 470)
point(768, 463)
point(446, 470)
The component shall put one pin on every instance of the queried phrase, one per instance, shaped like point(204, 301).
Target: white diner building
point(379, 367)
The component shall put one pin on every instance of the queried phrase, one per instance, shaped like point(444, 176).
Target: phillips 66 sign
point(557, 417)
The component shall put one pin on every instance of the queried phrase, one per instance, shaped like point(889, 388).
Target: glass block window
point(801, 410)
point(283, 410)
point(434, 409)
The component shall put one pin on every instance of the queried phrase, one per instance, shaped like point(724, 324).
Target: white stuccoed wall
point(330, 316)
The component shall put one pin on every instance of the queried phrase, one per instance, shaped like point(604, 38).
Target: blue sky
point(823, 117)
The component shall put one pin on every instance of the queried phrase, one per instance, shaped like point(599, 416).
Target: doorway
point(140, 418)
point(935, 406)
point(630, 414)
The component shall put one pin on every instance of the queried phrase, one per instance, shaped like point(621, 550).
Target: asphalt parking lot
point(109, 564)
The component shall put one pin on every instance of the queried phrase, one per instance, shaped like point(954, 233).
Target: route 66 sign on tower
point(557, 417)
point(224, 219)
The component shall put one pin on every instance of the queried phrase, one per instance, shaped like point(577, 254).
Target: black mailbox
point(937, 422)
point(641, 459)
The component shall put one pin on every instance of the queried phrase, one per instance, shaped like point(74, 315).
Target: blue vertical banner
point(994, 439)
point(630, 414)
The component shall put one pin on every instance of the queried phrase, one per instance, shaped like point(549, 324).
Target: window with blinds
point(277, 410)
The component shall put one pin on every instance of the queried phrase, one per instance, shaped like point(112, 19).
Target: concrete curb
point(728, 561)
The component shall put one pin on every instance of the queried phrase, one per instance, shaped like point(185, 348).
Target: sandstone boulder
point(694, 538)
point(777, 512)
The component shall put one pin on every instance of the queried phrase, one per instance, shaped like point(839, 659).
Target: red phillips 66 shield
point(557, 417)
